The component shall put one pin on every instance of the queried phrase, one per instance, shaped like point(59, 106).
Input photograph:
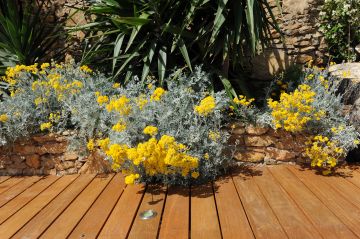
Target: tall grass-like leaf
point(148, 60)
point(117, 48)
point(162, 63)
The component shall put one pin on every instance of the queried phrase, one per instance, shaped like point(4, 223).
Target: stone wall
point(265, 145)
point(48, 154)
point(302, 40)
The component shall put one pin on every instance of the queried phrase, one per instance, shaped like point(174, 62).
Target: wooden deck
point(262, 202)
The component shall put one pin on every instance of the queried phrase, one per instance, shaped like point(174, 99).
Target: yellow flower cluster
point(119, 126)
point(206, 106)
point(86, 69)
point(157, 94)
point(102, 99)
point(151, 130)
point(130, 179)
point(243, 101)
point(324, 152)
point(54, 117)
point(91, 145)
point(120, 105)
point(4, 118)
point(164, 156)
point(214, 136)
point(141, 101)
point(12, 72)
point(54, 82)
point(45, 126)
point(295, 109)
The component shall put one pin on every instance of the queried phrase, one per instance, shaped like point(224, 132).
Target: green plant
point(315, 107)
point(55, 97)
point(26, 33)
point(152, 37)
point(172, 135)
point(340, 25)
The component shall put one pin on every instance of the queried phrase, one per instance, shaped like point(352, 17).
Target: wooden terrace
point(260, 202)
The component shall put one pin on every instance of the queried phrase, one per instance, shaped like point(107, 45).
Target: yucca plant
point(26, 34)
point(152, 36)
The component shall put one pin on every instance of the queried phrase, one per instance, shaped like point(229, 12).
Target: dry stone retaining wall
point(302, 40)
point(265, 145)
point(48, 154)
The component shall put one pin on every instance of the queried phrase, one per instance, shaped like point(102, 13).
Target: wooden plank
point(22, 199)
point(327, 224)
point(17, 189)
point(68, 219)
point(345, 188)
point(4, 178)
point(21, 217)
point(10, 183)
point(232, 217)
point(91, 224)
point(38, 224)
point(343, 209)
point(355, 178)
point(154, 199)
point(175, 220)
point(119, 223)
point(261, 217)
point(292, 219)
point(204, 219)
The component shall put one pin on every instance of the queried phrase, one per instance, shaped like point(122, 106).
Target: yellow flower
point(150, 86)
point(104, 144)
point(206, 156)
point(119, 126)
point(85, 68)
point(130, 179)
point(158, 93)
point(151, 130)
point(116, 85)
point(214, 136)
point(141, 101)
point(356, 142)
point(120, 105)
point(91, 145)
point(294, 110)
point(206, 106)
point(44, 66)
point(4, 118)
point(243, 101)
point(195, 174)
point(102, 99)
point(45, 126)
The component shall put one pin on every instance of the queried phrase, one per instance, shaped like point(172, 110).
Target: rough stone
point(259, 141)
point(25, 149)
point(253, 130)
point(70, 156)
point(65, 165)
point(250, 156)
point(42, 138)
point(279, 154)
point(53, 148)
point(33, 161)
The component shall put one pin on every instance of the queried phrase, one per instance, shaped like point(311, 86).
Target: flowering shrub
point(170, 135)
point(340, 25)
point(315, 107)
point(52, 97)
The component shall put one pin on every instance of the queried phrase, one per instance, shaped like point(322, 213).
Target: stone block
point(259, 141)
